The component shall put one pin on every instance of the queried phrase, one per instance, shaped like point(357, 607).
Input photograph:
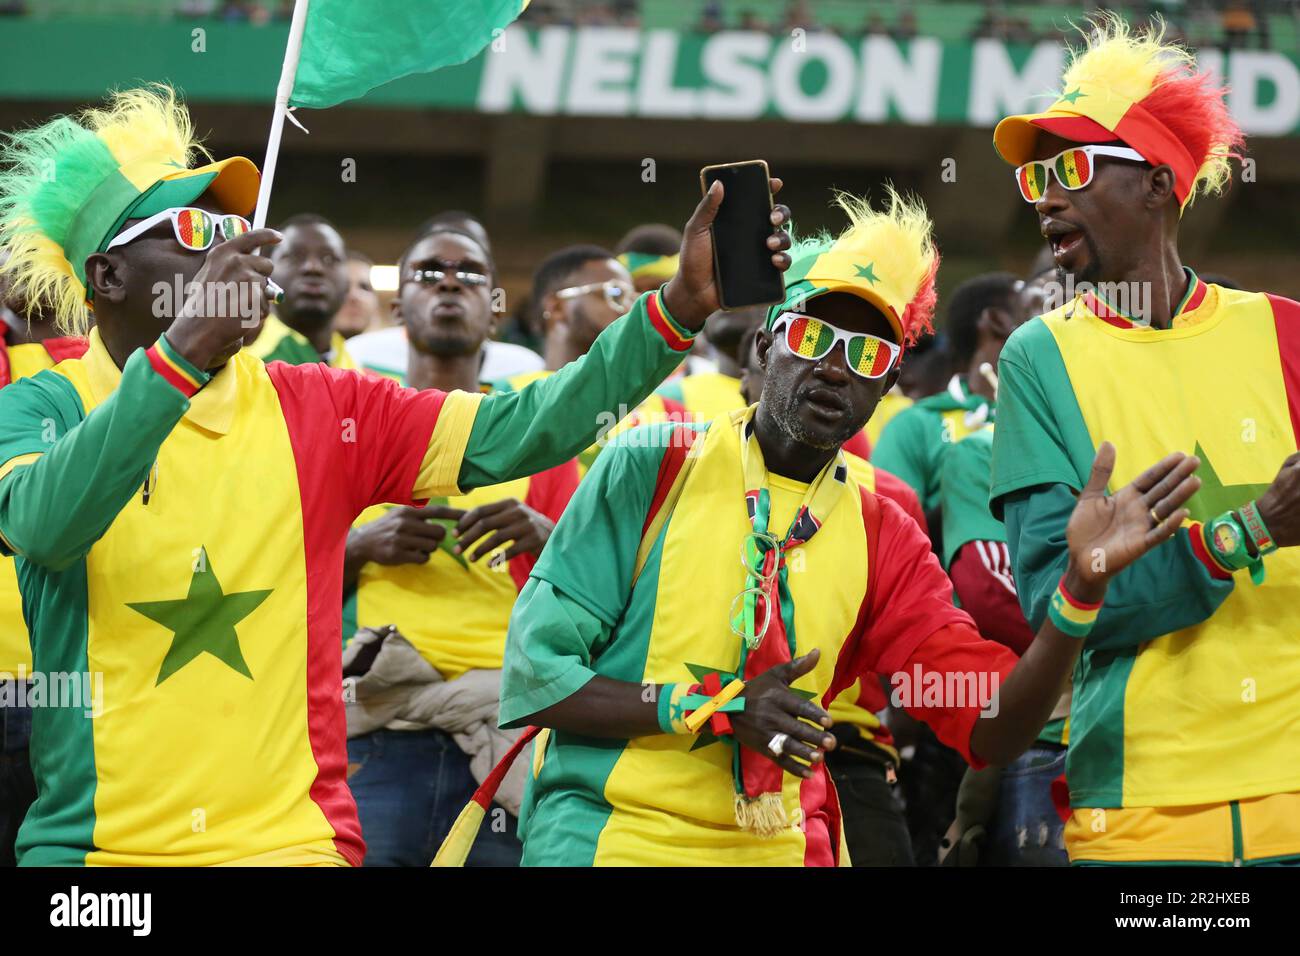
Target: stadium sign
point(819, 77)
point(605, 71)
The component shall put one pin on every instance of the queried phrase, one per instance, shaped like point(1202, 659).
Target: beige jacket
point(403, 691)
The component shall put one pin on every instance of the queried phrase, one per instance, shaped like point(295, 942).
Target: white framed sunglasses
point(807, 337)
point(195, 229)
point(1073, 168)
point(618, 295)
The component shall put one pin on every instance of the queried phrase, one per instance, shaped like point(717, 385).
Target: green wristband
point(672, 707)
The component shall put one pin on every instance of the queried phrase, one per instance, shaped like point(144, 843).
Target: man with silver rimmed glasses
point(577, 292)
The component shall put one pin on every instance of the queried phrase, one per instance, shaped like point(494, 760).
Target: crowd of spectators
point(1229, 24)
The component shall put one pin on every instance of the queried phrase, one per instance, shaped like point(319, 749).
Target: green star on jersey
point(1073, 96)
point(203, 621)
point(1213, 498)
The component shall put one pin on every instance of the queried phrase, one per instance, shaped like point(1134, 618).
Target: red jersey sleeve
point(981, 576)
point(908, 628)
point(363, 434)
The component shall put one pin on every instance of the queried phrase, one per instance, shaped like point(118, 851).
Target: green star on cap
point(203, 621)
point(867, 272)
point(1073, 95)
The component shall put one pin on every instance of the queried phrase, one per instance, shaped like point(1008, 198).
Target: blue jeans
point(410, 785)
point(1027, 830)
point(17, 785)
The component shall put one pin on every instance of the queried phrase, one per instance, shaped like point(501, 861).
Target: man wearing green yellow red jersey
point(445, 577)
point(578, 291)
point(28, 344)
point(979, 319)
point(129, 480)
point(311, 266)
point(1178, 750)
point(865, 760)
point(832, 583)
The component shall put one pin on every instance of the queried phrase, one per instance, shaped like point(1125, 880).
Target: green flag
point(350, 47)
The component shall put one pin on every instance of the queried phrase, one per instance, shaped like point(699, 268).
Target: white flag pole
point(287, 74)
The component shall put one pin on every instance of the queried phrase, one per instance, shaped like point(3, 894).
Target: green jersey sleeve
point(1040, 438)
point(582, 583)
point(1164, 591)
point(553, 419)
point(53, 509)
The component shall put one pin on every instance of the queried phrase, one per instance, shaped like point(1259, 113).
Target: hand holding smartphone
point(742, 262)
point(735, 236)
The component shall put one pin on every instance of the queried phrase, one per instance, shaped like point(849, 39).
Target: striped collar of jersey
point(212, 408)
point(1183, 315)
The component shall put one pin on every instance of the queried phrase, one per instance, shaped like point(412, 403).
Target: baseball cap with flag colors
point(1144, 92)
point(68, 187)
point(885, 256)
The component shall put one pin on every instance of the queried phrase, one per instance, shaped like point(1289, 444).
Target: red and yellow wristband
point(1070, 615)
point(175, 368)
point(679, 339)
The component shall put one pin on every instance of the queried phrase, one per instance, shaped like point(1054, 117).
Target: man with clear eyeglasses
point(579, 291)
point(311, 266)
point(428, 591)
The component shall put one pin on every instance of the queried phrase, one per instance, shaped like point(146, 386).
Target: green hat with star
point(886, 257)
point(68, 187)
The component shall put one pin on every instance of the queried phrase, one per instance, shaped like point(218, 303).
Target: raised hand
point(228, 302)
point(1107, 533)
point(691, 295)
point(771, 708)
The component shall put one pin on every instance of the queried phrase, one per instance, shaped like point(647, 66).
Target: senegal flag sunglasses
point(1074, 168)
point(195, 229)
point(868, 355)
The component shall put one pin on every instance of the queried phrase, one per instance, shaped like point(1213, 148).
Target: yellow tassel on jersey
point(763, 815)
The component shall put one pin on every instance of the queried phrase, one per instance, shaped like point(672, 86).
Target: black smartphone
point(742, 262)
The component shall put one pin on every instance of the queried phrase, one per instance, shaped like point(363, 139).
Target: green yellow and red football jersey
point(1188, 680)
point(868, 592)
point(183, 538)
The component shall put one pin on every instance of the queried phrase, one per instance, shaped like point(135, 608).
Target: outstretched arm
point(1171, 588)
point(552, 420)
point(1105, 534)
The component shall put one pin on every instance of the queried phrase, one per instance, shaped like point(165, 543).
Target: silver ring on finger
point(777, 744)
